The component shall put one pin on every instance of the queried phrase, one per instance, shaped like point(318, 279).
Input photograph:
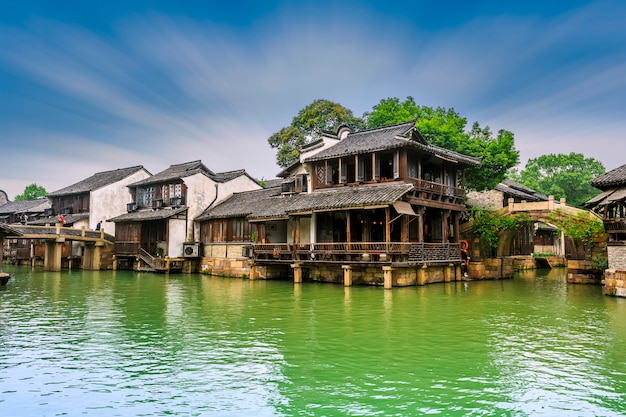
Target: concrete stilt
point(388, 276)
point(347, 275)
point(448, 273)
point(421, 275)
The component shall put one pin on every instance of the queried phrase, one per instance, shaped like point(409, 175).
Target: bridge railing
point(48, 232)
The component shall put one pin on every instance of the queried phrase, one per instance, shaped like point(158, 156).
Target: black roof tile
point(611, 179)
point(96, 181)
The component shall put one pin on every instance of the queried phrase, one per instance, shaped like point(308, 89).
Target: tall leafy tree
point(31, 192)
point(447, 129)
point(306, 127)
point(563, 176)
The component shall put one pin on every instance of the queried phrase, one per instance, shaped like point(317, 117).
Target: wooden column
point(387, 224)
point(297, 273)
point(348, 228)
point(420, 224)
point(445, 223)
point(405, 228)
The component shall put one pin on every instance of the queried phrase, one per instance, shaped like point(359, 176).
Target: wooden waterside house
point(157, 230)
point(382, 204)
point(611, 205)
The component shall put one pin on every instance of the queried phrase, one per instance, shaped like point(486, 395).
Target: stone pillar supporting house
point(388, 276)
point(347, 275)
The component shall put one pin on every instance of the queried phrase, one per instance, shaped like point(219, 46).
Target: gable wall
point(110, 201)
point(200, 193)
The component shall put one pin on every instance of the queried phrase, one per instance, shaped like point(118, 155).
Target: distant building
point(100, 197)
point(499, 196)
point(3, 198)
point(13, 212)
point(610, 204)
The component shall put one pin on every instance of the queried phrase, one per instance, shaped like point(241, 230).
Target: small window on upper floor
point(296, 184)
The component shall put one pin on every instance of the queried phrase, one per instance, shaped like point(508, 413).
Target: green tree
point(306, 127)
point(563, 176)
point(446, 128)
point(31, 192)
point(585, 229)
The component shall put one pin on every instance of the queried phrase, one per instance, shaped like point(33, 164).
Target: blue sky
point(92, 86)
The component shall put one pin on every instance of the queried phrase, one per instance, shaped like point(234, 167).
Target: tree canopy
point(440, 126)
point(446, 128)
point(563, 176)
point(31, 192)
point(306, 127)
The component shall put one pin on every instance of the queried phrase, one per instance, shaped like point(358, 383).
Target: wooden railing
point(358, 252)
point(429, 189)
point(615, 225)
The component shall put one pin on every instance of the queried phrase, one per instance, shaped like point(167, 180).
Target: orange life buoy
point(464, 245)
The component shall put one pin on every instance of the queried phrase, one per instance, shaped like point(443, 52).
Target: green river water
point(86, 343)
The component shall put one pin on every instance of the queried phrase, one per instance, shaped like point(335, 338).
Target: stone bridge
point(539, 211)
point(54, 238)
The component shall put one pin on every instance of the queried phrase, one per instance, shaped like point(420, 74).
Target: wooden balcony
point(358, 253)
point(435, 191)
point(613, 226)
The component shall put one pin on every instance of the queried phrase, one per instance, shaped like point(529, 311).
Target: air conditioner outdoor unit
point(191, 250)
point(247, 252)
point(130, 207)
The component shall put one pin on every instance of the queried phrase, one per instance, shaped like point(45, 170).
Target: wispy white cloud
point(157, 90)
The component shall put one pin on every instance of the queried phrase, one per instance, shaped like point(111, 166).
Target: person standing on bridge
point(61, 219)
point(99, 225)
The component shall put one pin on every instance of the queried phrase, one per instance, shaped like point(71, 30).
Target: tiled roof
point(387, 138)
point(8, 230)
point(276, 182)
point(611, 179)
point(229, 175)
point(179, 171)
point(241, 204)
point(145, 215)
point(26, 206)
point(521, 191)
point(257, 205)
point(96, 181)
point(176, 172)
point(69, 219)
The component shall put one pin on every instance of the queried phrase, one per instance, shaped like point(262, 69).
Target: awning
point(404, 207)
point(618, 195)
point(599, 199)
